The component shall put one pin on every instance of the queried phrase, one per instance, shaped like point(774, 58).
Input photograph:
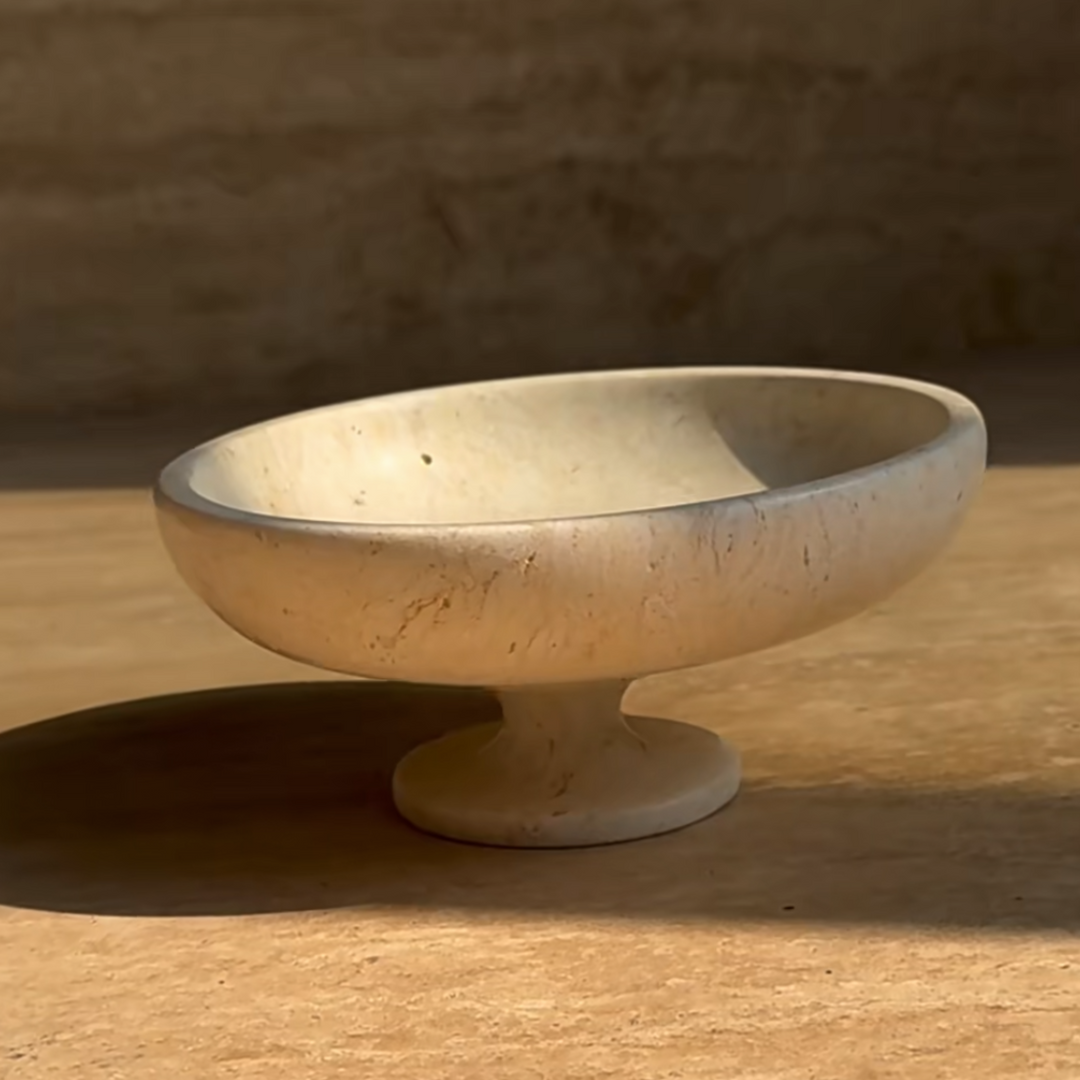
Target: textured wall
point(283, 201)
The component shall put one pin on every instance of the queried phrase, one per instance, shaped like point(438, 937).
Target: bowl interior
point(563, 447)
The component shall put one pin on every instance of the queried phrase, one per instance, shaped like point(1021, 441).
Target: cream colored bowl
point(553, 539)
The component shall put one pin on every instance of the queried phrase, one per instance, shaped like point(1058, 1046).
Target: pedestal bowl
point(553, 539)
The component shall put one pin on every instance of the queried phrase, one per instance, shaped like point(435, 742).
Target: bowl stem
point(565, 768)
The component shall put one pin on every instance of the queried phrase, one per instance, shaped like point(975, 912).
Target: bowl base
point(565, 768)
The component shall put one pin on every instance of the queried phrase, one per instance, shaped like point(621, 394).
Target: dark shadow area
point(276, 798)
point(1029, 405)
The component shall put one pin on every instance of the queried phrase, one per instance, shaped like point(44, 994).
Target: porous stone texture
point(269, 203)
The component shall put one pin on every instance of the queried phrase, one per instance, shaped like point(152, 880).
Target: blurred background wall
point(261, 204)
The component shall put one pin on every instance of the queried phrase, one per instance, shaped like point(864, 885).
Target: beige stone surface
point(217, 886)
point(265, 200)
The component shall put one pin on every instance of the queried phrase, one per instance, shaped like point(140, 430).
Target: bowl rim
point(173, 483)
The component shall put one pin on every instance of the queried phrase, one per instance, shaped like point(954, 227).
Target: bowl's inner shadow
point(276, 798)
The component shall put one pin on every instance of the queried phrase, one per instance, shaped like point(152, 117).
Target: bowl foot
point(565, 768)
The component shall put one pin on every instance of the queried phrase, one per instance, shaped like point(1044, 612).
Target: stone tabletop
point(201, 874)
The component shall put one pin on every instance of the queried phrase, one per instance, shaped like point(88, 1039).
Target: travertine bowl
point(555, 538)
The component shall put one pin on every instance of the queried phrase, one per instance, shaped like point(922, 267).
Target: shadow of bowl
point(276, 798)
point(240, 800)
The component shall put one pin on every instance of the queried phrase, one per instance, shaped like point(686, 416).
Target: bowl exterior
point(575, 600)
